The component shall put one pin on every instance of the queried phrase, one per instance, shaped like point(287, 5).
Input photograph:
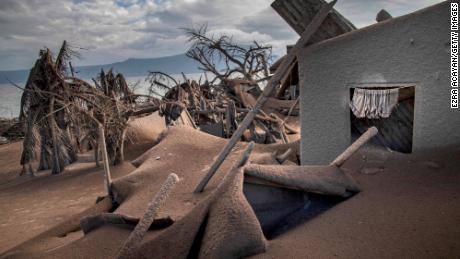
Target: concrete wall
point(409, 49)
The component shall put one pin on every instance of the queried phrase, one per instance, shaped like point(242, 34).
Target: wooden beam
point(240, 162)
point(284, 83)
point(271, 86)
point(105, 162)
point(135, 238)
point(355, 146)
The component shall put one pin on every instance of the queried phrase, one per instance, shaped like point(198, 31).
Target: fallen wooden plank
point(298, 13)
point(371, 132)
point(240, 162)
point(144, 224)
point(271, 86)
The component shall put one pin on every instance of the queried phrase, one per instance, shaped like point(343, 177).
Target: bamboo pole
point(141, 228)
point(371, 132)
point(271, 86)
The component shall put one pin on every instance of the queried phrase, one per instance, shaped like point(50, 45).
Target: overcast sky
point(114, 30)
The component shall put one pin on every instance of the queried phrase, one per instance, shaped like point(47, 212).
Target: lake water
point(10, 96)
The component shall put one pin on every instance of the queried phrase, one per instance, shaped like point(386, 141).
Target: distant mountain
point(130, 67)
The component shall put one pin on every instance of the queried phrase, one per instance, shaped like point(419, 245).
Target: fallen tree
point(62, 114)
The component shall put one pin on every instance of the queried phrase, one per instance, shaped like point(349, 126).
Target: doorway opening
point(390, 109)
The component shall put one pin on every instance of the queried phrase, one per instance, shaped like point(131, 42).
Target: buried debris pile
point(62, 115)
point(212, 197)
point(224, 177)
point(219, 105)
point(217, 223)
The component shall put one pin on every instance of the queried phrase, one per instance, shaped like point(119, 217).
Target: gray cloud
point(114, 30)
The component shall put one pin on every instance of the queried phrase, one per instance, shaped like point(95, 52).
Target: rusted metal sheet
point(295, 12)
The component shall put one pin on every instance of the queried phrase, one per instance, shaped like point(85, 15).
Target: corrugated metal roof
point(299, 13)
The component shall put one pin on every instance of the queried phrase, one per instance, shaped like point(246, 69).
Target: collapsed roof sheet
point(217, 223)
point(299, 13)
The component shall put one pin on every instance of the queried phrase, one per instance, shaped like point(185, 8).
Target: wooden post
point(284, 84)
point(271, 86)
point(355, 146)
point(105, 162)
point(141, 228)
point(240, 162)
point(291, 109)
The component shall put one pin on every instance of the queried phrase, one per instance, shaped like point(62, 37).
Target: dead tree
point(229, 95)
point(41, 113)
point(227, 60)
point(59, 112)
point(113, 114)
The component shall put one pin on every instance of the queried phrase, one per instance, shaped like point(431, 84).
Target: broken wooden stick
point(355, 146)
point(291, 109)
point(105, 162)
point(239, 163)
point(138, 233)
point(283, 157)
point(271, 85)
point(284, 84)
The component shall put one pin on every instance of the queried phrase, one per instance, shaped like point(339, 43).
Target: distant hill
point(130, 67)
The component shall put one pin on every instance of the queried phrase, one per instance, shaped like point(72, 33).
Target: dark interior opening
point(196, 245)
point(279, 210)
point(396, 131)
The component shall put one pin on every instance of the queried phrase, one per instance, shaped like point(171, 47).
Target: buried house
point(393, 74)
point(232, 215)
point(239, 211)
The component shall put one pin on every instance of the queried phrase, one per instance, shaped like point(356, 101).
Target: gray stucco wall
point(410, 49)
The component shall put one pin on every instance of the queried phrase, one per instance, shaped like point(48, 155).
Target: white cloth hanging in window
point(374, 104)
